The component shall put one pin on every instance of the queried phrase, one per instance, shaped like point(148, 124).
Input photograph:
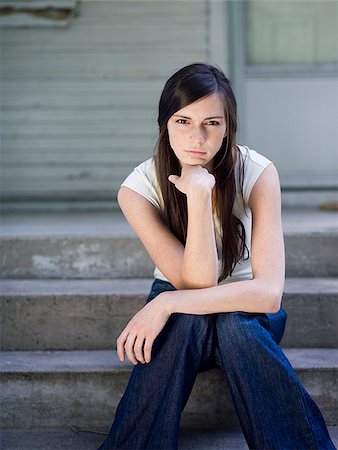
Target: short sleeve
point(254, 164)
point(143, 181)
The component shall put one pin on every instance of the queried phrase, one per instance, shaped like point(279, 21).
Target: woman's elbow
point(191, 283)
point(275, 301)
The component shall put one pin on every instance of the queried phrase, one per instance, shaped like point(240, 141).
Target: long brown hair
point(187, 85)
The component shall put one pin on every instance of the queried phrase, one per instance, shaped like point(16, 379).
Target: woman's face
point(198, 127)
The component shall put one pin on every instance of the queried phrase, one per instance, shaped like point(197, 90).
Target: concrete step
point(90, 314)
point(67, 439)
point(83, 388)
point(102, 245)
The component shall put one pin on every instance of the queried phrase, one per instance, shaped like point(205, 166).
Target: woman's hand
point(193, 178)
point(141, 331)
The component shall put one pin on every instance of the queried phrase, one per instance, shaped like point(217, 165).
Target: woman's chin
point(193, 163)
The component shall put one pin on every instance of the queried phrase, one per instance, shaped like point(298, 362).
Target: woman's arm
point(191, 266)
point(264, 292)
point(199, 267)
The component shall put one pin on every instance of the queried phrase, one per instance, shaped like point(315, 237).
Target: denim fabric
point(274, 409)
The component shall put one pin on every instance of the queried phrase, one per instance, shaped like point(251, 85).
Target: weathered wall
point(80, 103)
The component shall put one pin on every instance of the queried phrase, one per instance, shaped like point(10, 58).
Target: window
point(292, 35)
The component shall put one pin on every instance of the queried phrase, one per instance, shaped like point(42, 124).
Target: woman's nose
point(198, 136)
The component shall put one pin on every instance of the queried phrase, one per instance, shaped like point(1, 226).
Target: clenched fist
point(192, 179)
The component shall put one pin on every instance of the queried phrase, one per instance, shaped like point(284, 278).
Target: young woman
point(208, 212)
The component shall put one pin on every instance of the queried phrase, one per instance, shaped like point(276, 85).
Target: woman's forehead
point(209, 107)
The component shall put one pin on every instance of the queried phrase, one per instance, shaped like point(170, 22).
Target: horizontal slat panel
point(39, 4)
point(77, 135)
point(99, 142)
point(88, 58)
point(95, 9)
point(77, 129)
point(122, 39)
point(78, 132)
point(310, 178)
point(80, 104)
point(143, 11)
point(59, 157)
point(62, 101)
point(62, 95)
point(59, 189)
point(117, 46)
point(99, 64)
point(119, 43)
point(81, 87)
point(143, 116)
point(65, 171)
point(148, 7)
point(63, 182)
point(30, 187)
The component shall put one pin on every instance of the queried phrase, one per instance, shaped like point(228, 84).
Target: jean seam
point(307, 418)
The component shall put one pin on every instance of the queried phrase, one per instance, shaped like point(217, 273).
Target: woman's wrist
point(165, 301)
point(199, 192)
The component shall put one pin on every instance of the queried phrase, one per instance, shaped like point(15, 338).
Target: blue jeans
point(245, 346)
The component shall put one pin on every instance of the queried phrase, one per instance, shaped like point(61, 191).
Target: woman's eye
point(211, 122)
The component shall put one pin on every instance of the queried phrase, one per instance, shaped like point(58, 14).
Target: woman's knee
point(190, 324)
point(240, 326)
point(184, 333)
point(239, 338)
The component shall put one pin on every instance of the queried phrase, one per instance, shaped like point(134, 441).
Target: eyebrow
point(207, 118)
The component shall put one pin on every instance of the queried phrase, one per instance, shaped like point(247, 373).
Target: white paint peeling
point(42, 263)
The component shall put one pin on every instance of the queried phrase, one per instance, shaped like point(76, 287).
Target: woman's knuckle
point(147, 349)
point(129, 347)
point(137, 349)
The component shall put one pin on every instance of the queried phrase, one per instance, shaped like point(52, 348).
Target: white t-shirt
point(143, 180)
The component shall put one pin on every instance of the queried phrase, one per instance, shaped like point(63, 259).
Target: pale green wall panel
point(292, 32)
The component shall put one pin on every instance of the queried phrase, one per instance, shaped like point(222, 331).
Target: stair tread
point(94, 361)
point(103, 286)
point(128, 286)
point(23, 225)
point(190, 438)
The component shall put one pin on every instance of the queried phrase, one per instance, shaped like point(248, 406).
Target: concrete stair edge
point(90, 314)
point(67, 439)
point(46, 389)
point(127, 286)
point(92, 361)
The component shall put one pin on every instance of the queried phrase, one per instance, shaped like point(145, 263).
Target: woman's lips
point(196, 153)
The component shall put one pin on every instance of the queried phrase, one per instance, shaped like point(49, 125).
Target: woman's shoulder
point(145, 170)
point(252, 157)
point(253, 164)
point(143, 180)
point(146, 166)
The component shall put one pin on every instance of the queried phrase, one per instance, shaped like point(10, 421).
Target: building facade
point(80, 84)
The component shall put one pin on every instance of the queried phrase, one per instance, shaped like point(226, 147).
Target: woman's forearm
point(199, 268)
point(255, 296)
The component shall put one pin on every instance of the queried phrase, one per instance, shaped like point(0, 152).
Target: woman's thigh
point(235, 328)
